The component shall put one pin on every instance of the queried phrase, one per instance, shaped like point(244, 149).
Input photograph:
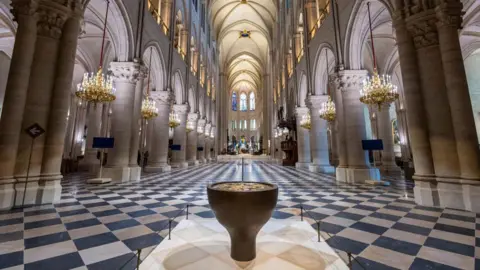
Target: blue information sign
point(372, 144)
point(176, 147)
point(103, 143)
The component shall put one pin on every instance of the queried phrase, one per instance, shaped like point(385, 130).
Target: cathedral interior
point(118, 117)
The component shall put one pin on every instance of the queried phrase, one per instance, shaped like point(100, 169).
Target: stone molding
point(450, 14)
point(50, 20)
point(162, 97)
point(125, 72)
point(349, 79)
point(192, 117)
point(301, 111)
point(202, 123)
point(316, 101)
point(181, 108)
point(423, 30)
point(23, 8)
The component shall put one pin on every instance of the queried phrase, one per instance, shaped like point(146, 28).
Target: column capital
point(192, 117)
point(315, 102)
point(301, 111)
point(449, 14)
point(202, 122)
point(50, 19)
point(180, 108)
point(345, 80)
point(23, 8)
point(162, 97)
point(125, 72)
point(423, 29)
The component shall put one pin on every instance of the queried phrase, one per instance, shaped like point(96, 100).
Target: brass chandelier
point(377, 90)
point(306, 121)
point(149, 108)
point(97, 87)
point(173, 120)
point(328, 111)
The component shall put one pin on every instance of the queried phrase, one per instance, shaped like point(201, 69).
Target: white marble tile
point(48, 251)
point(104, 252)
point(447, 258)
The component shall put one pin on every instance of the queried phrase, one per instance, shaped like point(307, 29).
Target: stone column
point(213, 154)
point(43, 76)
point(201, 140)
point(192, 138)
point(425, 187)
point(311, 8)
point(180, 138)
point(15, 96)
point(384, 132)
point(135, 170)
point(90, 162)
point(125, 77)
point(184, 40)
point(208, 129)
point(449, 15)
point(339, 125)
point(158, 156)
point(166, 11)
point(358, 168)
point(319, 140)
point(50, 187)
point(303, 140)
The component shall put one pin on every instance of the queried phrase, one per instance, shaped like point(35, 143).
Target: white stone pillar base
point(302, 165)
point(357, 175)
point(426, 193)
point(471, 197)
point(193, 163)
point(179, 165)
point(450, 194)
point(135, 173)
point(49, 189)
point(321, 168)
point(203, 161)
point(117, 174)
point(7, 195)
point(158, 169)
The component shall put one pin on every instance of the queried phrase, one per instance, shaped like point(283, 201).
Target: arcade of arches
point(240, 77)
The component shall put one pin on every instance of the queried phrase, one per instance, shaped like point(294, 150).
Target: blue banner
point(103, 143)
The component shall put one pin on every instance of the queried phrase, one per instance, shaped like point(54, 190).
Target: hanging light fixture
point(377, 90)
point(306, 121)
point(97, 87)
point(327, 110)
point(173, 120)
point(149, 107)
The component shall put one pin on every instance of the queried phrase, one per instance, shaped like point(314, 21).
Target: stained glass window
point(243, 102)
point(253, 124)
point(234, 101)
point(252, 101)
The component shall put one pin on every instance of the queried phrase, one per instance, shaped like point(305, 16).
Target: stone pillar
point(311, 8)
point(125, 76)
point(208, 146)
point(16, 96)
point(319, 140)
point(50, 187)
point(213, 154)
point(184, 41)
point(384, 132)
point(358, 168)
point(135, 170)
point(43, 76)
point(166, 11)
point(449, 16)
point(450, 20)
point(192, 138)
point(201, 140)
point(90, 162)
point(425, 187)
point(158, 156)
point(339, 126)
point(303, 140)
point(180, 138)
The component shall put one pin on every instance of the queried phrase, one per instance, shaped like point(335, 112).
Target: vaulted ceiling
point(243, 30)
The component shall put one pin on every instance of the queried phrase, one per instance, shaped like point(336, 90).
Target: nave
point(103, 226)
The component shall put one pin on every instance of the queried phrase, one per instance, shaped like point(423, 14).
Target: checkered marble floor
point(102, 226)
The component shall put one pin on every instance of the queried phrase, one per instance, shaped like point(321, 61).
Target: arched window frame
point(243, 102)
point(234, 101)
point(252, 101)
